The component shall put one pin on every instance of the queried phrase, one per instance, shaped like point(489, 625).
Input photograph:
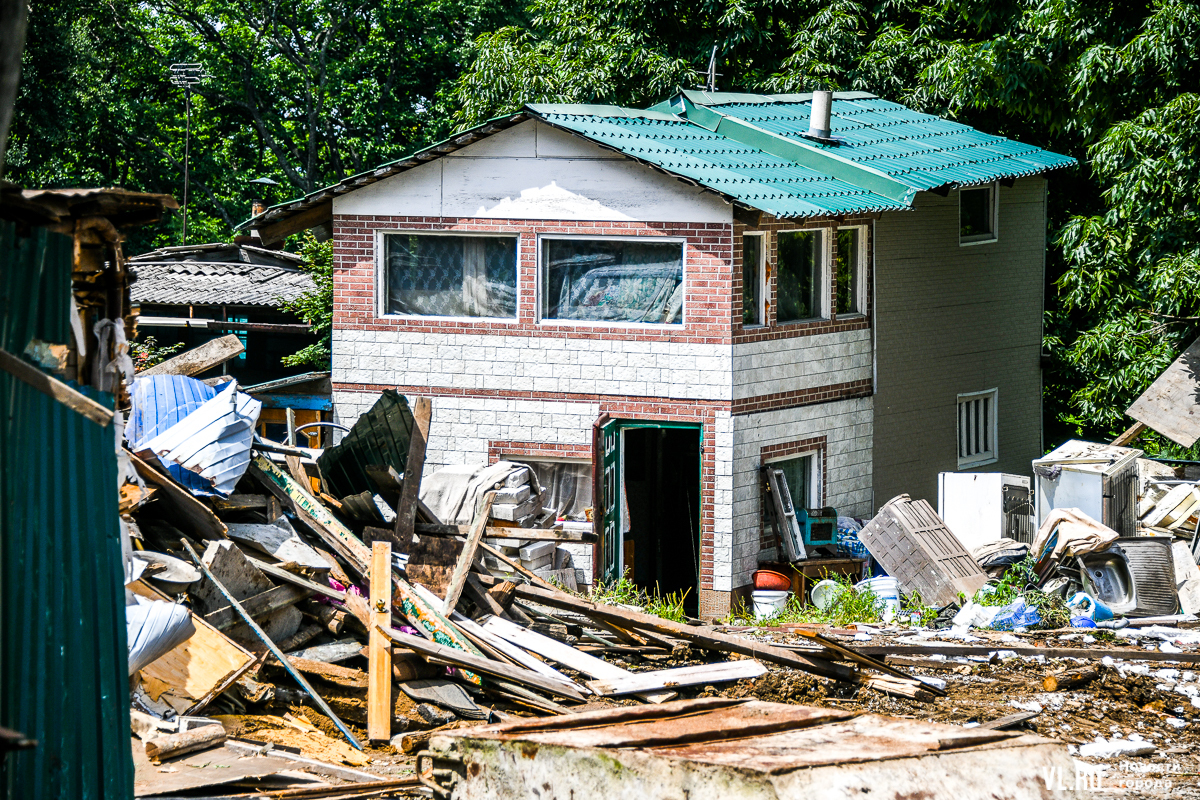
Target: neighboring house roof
point(218, 274)
point(752, 150)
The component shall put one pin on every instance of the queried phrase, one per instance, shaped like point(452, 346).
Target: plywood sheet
point(196, 770)
point(1171, 405)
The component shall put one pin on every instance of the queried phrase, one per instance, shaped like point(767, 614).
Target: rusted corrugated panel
point(63, 652)
point(379, 438)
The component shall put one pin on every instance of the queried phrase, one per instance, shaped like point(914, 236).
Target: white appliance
point(981, 507)
point(1101, 480)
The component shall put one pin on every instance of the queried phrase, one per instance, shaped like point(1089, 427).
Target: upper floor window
point(977, 428)
point(752, 279)
point(612, 280)
point(851, 266)
point(442, 275)
point(800, 282)
point(977, 219)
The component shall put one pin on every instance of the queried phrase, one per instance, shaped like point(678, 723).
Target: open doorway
point(660, 509)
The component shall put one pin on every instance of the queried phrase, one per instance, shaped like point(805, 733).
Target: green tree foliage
point(315, 307)
point(1110, 84)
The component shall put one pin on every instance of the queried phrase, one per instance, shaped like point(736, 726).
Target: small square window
point(977, 428)
point(451, 276)
point(977, 215)
point(612, 280)
point(800, 281)
point(850, 259)
point(752, 279)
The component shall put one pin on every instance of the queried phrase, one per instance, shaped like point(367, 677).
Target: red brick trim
point(535, 450)
point(770, 452)
point(803, 397)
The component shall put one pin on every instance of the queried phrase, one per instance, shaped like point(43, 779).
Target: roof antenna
point(712, 71)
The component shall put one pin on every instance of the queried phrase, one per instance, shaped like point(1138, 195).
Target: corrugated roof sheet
point(920, 150)
point(203, 283)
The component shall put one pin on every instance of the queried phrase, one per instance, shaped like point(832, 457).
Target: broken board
point(1171, 405)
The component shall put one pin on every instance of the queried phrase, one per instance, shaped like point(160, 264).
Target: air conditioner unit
point(981, 507)
point(1101, 480)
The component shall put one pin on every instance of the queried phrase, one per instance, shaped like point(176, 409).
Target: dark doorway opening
point(661, 477)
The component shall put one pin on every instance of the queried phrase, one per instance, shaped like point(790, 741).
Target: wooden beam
point(1134, 431)
point(499, 532)
point(722, 672)
point(275, 232)
point(298, 580)
point(709, 639)
point(200, 359)
point(379, 659)
point(480, 664)
point(410, 485)
point(260, 604)
point(52, 387)
point(518, 567)
point(467, 557)
point(195, 517)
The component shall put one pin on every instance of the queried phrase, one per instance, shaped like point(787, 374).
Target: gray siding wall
point(950, 320)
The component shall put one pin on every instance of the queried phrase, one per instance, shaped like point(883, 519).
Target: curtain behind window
point(567, 486)
point(451, 276)
point(612, 281)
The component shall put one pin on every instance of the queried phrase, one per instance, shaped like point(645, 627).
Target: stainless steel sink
point(1135, 576)
point(1106, 576)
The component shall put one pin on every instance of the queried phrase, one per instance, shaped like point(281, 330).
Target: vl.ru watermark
point(1127, 776)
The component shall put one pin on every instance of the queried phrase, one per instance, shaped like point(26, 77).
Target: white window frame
point(381, 274)
point(761, 277)
point(987, 456)
point(860, 269)
point(594, 323)
point(994, 188)
point(814, 478)
point(825, 269)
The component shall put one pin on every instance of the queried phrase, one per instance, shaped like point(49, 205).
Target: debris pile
point(323, 610)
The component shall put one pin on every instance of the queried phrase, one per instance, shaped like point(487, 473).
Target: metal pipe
point(822, 104)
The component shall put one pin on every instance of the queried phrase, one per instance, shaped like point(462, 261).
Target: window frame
point(538, 291)
point(824, 269)
point(986, 457)
point(994, 189)
point(381, 276)
point(815, 472)
point(760, 276)
point(860, 270)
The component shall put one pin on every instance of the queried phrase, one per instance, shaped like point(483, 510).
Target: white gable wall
point(535, 171)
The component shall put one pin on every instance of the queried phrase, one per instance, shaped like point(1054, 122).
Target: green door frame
point(609, 464)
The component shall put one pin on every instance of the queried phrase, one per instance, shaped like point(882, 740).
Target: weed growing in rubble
point(623, 592)
point(1020, 581)
point(849, 605)
point(913, 605)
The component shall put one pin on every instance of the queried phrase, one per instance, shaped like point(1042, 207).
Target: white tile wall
point(785, 365)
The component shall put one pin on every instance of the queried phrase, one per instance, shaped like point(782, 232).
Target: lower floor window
point(977, 428)
point(612, 280)
point(800, 473)
point(566, 485)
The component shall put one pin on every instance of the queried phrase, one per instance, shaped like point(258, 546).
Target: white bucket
point(823, 593)
point(767, 603)
point(888, 590)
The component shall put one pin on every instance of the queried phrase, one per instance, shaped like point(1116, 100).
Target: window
point(977, 215)
point(752, 279)
point(800, 279)
point(241, 335)
point(977, 428)
point(850, 260)
point(612, 280)
point(802, 482)
point(566, 485)
point(451, 276)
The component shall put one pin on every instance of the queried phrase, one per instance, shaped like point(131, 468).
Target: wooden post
point(410, 486)
point(199, 359)
point(291, 427)
point(1131, 433)
point(458, 578)
point(379, 668)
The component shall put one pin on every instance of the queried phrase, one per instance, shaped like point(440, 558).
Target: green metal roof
point(751, 148)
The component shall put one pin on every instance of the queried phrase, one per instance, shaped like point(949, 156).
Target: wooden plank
point(1129, 654)
point(498, 532)
point(275, 651)
point(1131, 433)
point(410, 485)
point(1008, 721)
point(176, 744)
point(200, 359)
point(659, 680)
point(275, 232)
point(1169, 405)
point(459, 577)
point(705, 638)
point(566, 655)
point(195, 517)
point(379, 659)
point(257, 606)
point(52, 387)
point(281, 542)
point(240, 502)
point(298, 580)
point(511, 651)
point(481, 664)
point(518, 567)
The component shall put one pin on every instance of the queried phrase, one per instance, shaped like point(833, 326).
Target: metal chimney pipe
point(818, 125)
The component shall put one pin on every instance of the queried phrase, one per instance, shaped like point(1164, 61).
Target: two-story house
point(659, 302)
